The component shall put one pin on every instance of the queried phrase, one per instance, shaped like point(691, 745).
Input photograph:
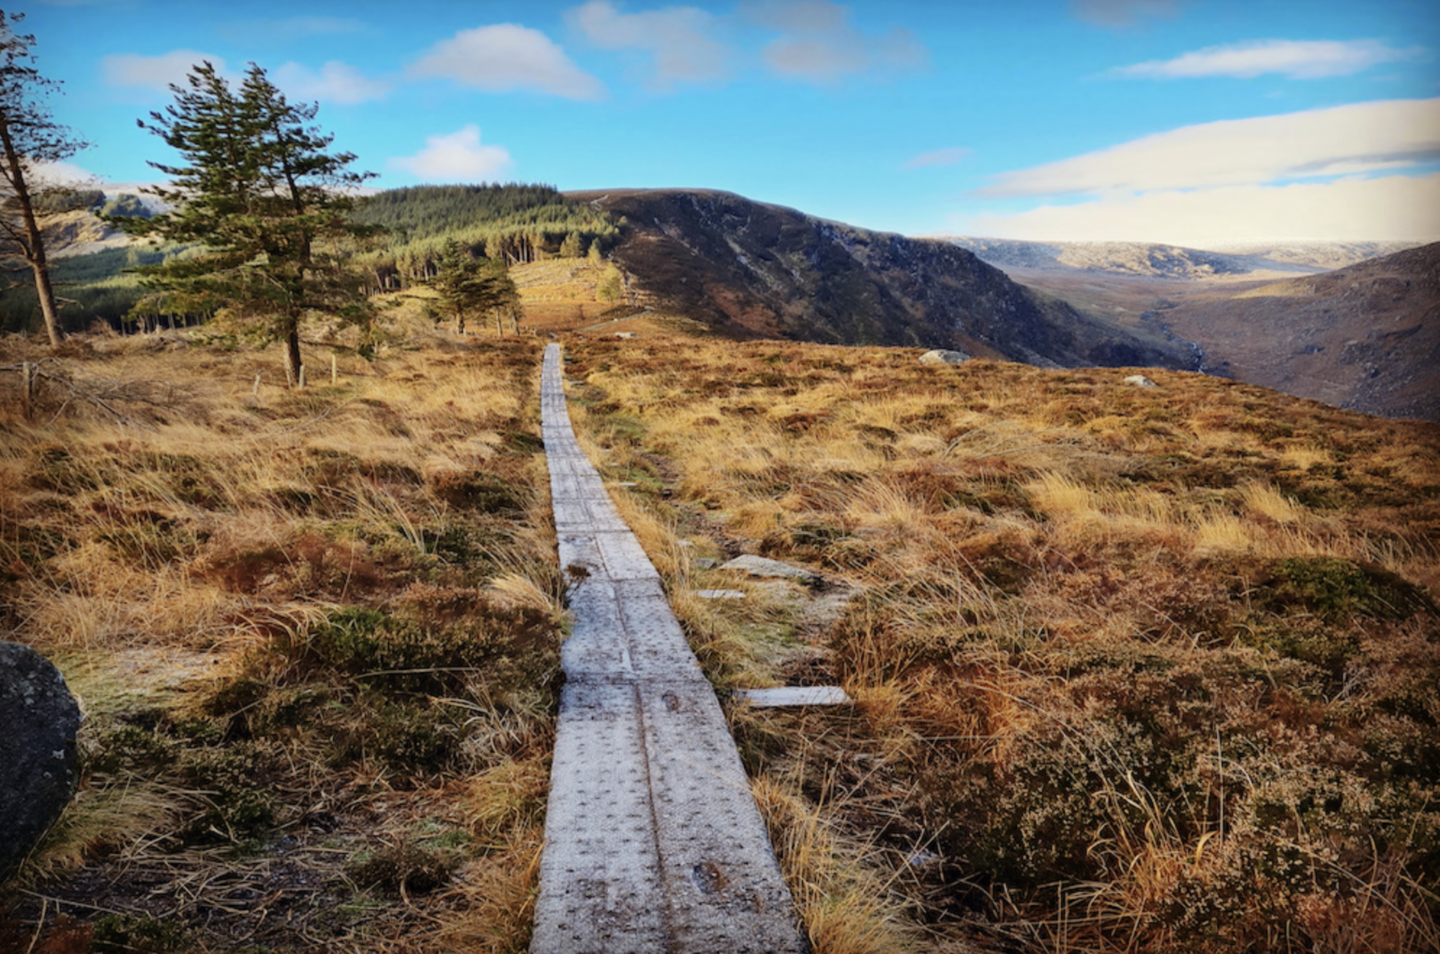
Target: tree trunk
point(33, 245)
point(291, 343)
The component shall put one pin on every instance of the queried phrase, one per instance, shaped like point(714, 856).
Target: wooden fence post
point(27, 388)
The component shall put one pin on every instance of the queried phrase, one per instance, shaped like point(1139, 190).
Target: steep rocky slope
point(756, 270)
point(1366, 337)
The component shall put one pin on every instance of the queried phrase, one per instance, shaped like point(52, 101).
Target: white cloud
point(819, 44)
point(456, 157)
point(336, 82)
point(507, 57)
point(1297, 59)
point(154, 72)
point(1352, 209)
point(1362, 137)
point(678, 38)
point(1122, 13)
point(937, 157)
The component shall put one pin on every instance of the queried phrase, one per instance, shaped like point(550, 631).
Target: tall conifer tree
point(260, 191)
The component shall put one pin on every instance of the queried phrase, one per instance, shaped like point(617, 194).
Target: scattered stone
point(625, 334)
point(686, 544)
point(1140, 381)
point(760, 566)
point(624, 483)
point(38, 760)
point(941, 356)
point(720, 594)
point(795, 696)
point(705, 563)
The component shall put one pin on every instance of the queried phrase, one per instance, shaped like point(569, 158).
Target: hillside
point(1365, 337)
point(1362, 336)
point(754, 270)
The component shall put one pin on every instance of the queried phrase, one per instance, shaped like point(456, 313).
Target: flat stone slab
point(653, 842)
point(720, 594)
point(760, 566)
point(795, 696)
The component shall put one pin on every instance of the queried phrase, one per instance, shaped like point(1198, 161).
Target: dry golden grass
point(1128, 663)
point(314, 634)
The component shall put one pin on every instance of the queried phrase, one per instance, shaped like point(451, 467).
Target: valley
point(1355, 325)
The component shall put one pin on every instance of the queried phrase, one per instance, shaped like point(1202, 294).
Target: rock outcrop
point(942, 356)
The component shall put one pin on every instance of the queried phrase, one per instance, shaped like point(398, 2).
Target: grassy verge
point(1136, 669)
point(315, 635)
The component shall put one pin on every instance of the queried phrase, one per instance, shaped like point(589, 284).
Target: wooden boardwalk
point(653, 842)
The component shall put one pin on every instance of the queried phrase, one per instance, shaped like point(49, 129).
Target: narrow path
point(653, 842)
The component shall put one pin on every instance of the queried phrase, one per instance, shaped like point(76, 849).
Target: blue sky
point(1183, 121)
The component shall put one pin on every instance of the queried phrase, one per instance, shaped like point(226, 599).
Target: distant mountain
point(755, 270)
point(1153, 260)
point(1365, 337)
point(1321, 256)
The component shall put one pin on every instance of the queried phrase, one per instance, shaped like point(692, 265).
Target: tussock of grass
point(1140, 669)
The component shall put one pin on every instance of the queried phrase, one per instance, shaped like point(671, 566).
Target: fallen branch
point(106, 394)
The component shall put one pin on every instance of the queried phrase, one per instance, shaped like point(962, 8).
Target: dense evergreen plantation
point(95, 287)
point(514, 223)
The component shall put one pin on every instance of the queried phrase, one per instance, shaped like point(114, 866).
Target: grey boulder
point(38, 758)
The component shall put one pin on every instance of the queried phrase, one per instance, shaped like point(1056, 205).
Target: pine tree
point(467, 286)
point(28, 135)
point(268, 202)
point(571, 247)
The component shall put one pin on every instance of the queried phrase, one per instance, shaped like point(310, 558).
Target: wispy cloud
point(1122, 13)
point(292, 28)
point(819, 44)
point(680, 39)
point(1343, 140)
point(507, 57)
point(154, 72)
point(1389, 207)
point(1297, 59)
point(455, 157)
point(335, 82)
point(937, 157)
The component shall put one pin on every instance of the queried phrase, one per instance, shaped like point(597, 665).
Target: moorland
point(1135, 668)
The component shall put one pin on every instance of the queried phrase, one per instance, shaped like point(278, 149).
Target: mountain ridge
point(1161, 260)
point(753, 269)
